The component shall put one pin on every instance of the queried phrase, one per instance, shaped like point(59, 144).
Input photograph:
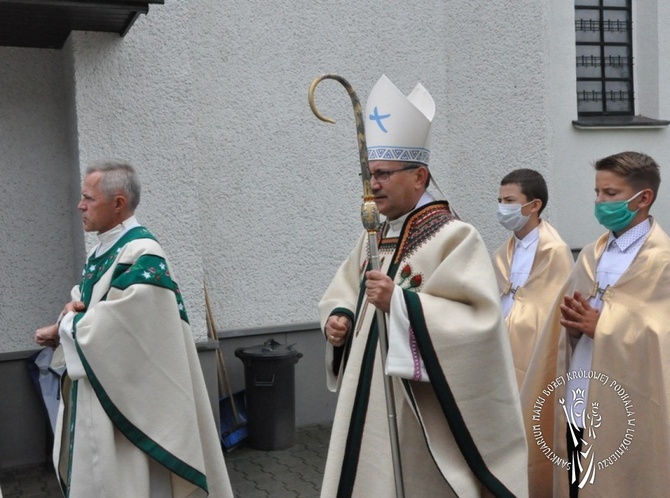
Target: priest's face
point(397, 187)
point(98, 211)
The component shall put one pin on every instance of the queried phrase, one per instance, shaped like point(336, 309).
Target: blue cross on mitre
point(375, 116)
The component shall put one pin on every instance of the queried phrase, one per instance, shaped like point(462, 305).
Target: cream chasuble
point(533, 301)
point(135, 418)
point(461, 432)
point(628, 412)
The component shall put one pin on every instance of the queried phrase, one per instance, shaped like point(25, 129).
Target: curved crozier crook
point(358, 114)
point(369, 212)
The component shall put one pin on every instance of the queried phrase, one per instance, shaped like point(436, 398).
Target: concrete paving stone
point(310, 475)
point(272, 487)
point(318, 469)
point(314, 441)
point(262, 478)
point(311, 442)
point(274, 494)
point(285, 494)
point(243, 453)
point(304, 489)
point(278, 470)
point(293, 462)
point(268, 462)
point(296, 484)
point(245, 466)
point(237, 479)
point(306, 453)
point(317, 466)
point(303, 456)
point(294, 472)
point(247, 490)
point(289, 478)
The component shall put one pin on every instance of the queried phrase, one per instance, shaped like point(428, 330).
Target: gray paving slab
point(295, 472)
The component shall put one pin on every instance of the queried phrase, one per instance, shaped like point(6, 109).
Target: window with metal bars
point(603, 33)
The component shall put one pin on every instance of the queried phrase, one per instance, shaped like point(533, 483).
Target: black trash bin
point(269, 376)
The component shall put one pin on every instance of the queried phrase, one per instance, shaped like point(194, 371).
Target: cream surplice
point(629, 379)
point(532, 301)
point(462, 427)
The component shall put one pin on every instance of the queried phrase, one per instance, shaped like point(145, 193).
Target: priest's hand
point(379, 289)
point(74, 307)
point(578, 316)
point(337, 329)
point(48, 336)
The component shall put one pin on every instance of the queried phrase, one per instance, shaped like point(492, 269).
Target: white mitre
point(398, 128)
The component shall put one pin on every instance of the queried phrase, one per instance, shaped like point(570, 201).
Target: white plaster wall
point(36, 247)
point(244, 186)
point(134, 102)
point(573, 151)
point(280, 194)
point(496, 104)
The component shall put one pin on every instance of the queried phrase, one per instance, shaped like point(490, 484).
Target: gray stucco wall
point(495, 104)
point(244, 187)
point(572, 152)
point(36, 247)
point(134, 101)
point(279, 189)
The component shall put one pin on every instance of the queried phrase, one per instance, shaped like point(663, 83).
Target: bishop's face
point(396, 193)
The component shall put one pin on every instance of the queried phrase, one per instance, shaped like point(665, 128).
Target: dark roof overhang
point(48, 23)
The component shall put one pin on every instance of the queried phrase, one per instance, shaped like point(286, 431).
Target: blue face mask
point(615, 215)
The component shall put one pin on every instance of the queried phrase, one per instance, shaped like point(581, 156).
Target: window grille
point(604, 61)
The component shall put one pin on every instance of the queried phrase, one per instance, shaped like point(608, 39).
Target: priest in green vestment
point(457, 404)
point(135, 419)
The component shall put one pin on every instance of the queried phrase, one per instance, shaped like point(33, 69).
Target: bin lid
point(270, 349)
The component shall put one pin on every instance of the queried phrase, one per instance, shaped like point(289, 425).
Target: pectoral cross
point(598, 291)
point(511, 288)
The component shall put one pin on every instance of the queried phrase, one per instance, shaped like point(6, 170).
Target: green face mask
point(615, 215)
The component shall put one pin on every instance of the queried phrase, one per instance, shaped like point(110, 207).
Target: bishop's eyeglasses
point(384, 175)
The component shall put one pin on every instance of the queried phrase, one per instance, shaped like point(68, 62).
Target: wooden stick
point(222, 372)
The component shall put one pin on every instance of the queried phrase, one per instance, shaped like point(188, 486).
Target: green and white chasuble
point(458, 411)
point(135, 418)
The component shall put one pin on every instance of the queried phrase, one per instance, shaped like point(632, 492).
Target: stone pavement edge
point(294, 472)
